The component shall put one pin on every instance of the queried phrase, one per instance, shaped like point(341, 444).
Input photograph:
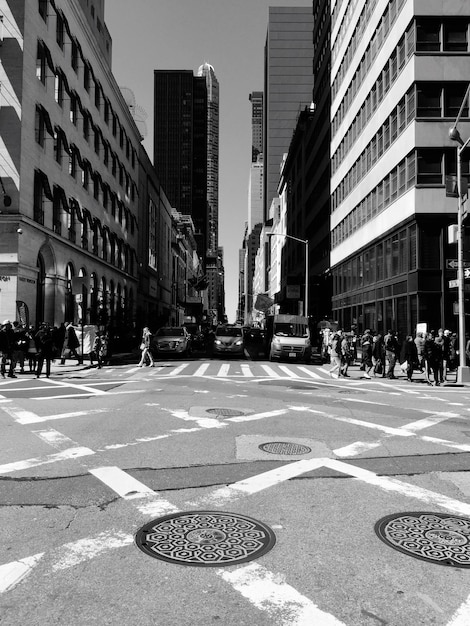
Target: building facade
point(69, 169)
point(399, 73)
point(287, 86)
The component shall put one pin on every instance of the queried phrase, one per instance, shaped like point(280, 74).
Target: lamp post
point(463, 371)
point(305, 242)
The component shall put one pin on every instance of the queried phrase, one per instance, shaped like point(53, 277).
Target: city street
point(242, 457)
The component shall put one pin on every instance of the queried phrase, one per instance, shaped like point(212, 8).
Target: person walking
point(70, 344)
point(346, 355)
point(378, 355)
point(31, 351)
point(392, 349)
point(408, 357)
point(433, 355)
point(443, 342)
point(335, 354)
point(45, 347)
point(19, 347)
point(419, 343)
point(366, 360)
point(145, 347)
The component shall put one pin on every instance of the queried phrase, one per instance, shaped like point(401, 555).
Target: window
point(39, 126)
point(453, 99)
point(58, 146)
point(73, 109)
point(428, 36)
point(87, 77)
point(59, 89)
point(429, 100)
point(74, 56)
point(456, 36)
point(430, 167)
point(41, 63)
point(97, 141)
point(42, 6)
point(97, 96)
point(60, 30)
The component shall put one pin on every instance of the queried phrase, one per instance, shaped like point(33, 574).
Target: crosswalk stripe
point(288, 371)
point(309, 372)
point(246, 370)
point(224, 369)
point(179, 369)
point(270, 371)
point(201, 370)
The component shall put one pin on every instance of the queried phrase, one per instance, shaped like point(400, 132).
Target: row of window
point(395, 256)
point(81, 170)
point(393, 67)
point(386, 22)
point(64, 216)
point(425, 166)
point(91, 84)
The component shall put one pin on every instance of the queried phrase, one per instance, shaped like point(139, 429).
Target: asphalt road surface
point(287, 497)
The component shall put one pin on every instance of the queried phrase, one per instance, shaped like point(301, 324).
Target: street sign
point(453, 264)
point(453, 283)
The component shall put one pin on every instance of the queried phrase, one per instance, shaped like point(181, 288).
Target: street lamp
point(305, 242)
point(463, 371)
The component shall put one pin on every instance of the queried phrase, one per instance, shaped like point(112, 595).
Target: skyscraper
point(180, 144)
point(288, 86)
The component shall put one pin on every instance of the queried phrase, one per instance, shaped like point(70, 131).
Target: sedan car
point(228, 340)
point(171, 340)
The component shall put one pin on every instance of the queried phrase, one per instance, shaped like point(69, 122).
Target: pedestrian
point(433, 355)
point(7, 349)
point(346, 354)
point(378, 355)
point(99, 348)
point(31, 351)
point(19, 346)
point(392, 349)
point(366, 360)
point(70, 344)
point(145, 348)
point(453, 352)
point(442, 340)
point(335, 354)
point(408, 357)
point(419, 343)
point(45, 347)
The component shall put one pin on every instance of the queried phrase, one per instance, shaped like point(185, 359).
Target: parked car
point(228, 340)
point(171, 340)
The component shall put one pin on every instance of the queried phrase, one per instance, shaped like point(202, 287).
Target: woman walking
point(45, 347)
point(335, 355)
point(408, 357)
point(145, 347)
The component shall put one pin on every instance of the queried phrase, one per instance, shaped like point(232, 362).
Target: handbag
point(404, 366)
point(142, 346)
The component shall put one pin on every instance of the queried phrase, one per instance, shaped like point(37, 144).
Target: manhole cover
point(225, 412)
point(205, 538)
point(434, 537)
point(284, 447)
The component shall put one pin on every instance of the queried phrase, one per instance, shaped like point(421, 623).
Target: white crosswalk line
point(269, 370)
point(288, 371)
point(179, 369)
point(246, 371)
point(309, 372)
point(202, 369)
point(224, 370)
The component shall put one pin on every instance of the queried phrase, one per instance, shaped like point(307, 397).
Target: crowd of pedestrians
point(433, 354)
point(28, 350)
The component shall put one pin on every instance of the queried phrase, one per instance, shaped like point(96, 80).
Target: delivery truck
point(288, 338)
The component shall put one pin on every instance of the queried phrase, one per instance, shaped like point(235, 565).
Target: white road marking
point(59, 383)
point(309, 372)
point(246, 370)
point(28, 417)
point(251, 485)
point(12, 573)
point(223, 370)
point(76, 552)
point(63, 455)
point(270, 371)
point(429, 421)
point(88, 393)
point(271, 594)
point(362, 401)
point(201, 370)
point(357, 448)
point(178, 369)
point(256, 416)
point(462, 615)
point(287, 371)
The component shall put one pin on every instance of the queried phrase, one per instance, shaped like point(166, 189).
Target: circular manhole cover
point(225, 412)
point(435, 537)
point(284, 447)
point(205, 538)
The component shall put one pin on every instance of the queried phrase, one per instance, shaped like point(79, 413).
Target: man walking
point(392, 350)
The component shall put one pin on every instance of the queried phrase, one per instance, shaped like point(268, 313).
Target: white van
point(289, 338)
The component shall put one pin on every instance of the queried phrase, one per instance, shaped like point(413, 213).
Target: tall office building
point(399, 73)
point(180, 144)
point(288, 83)
point(212, 84)
point(256, 99)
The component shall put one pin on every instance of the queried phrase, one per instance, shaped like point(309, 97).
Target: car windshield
point(170, 332)
point(291, 330)
point(224, 331)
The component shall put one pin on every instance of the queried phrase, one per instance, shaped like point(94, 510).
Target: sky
point(182, 35)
